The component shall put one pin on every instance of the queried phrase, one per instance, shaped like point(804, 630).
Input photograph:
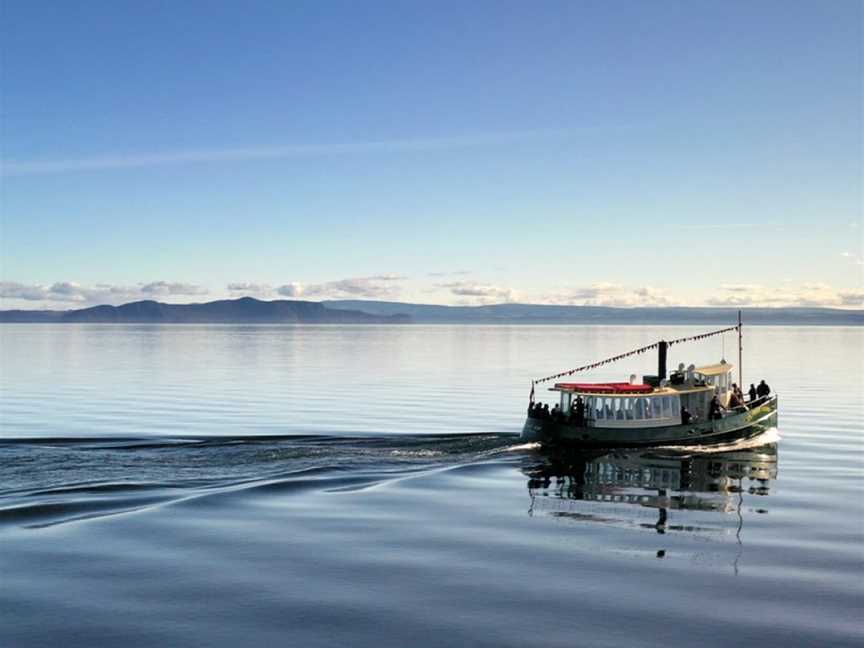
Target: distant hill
point(228, 311)
point(546, 314)
point(255, 311)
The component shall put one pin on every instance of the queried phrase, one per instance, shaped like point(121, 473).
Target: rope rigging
point(594, 365)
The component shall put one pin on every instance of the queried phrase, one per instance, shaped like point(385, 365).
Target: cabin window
point(597, 407)
point(619, 409)
point(639, 408)
point(608, 412)
point(649, 408)
point(667, 407)
point(628, 409)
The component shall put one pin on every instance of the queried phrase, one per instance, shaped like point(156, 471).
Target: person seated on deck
point(686, 416)
point(734, 399)
point(714, 412)
point(763, 389)
point(752, 392)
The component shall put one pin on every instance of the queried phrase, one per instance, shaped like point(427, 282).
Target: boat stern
point(533, 430)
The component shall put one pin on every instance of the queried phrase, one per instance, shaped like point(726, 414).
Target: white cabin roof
point(715, 369)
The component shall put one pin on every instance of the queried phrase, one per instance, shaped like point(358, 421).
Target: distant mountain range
point(254, 311)
point(546, 314)
point(227, 311)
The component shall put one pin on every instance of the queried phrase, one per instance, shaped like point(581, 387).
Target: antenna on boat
point(740, 353)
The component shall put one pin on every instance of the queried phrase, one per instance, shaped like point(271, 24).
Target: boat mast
point(740, 352)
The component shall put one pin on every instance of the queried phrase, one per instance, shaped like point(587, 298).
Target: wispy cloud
point(851, 297)
point(452, 273)
point(292, 290)
point(373, 287)
point(813, 294)
point(610, 294)
point(480, 293)
point(70, 292)
point(250, 288)
point(163, 288)
point(722, 226)
point(155, 159)
point(853, 258)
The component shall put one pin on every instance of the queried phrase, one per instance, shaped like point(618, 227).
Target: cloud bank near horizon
point(394, 287)
point(72, 294)
point(380, 287)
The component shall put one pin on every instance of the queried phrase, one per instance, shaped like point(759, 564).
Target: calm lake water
point(140, 505)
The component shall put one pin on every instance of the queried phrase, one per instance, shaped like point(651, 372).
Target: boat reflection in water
point(659, 490)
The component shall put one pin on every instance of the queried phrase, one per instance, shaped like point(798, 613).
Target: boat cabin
point(632, 404)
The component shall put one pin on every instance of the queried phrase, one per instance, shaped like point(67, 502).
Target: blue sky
point(575, 152)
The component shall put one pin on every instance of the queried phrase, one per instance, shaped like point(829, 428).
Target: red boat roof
point(606, 388)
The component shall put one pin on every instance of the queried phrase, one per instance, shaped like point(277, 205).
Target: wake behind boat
point(692, 406)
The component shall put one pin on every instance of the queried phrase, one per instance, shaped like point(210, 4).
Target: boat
point(691, 406)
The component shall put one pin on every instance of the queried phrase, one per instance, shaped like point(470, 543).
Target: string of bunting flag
point(594, 365)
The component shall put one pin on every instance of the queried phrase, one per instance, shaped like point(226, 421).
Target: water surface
point(350, 485)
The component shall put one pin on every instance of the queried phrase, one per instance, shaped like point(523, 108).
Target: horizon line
point(741, 307)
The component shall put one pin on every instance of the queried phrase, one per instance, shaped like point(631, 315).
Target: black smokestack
point(661, 360)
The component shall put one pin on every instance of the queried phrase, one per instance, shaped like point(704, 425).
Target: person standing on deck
point(686, 416)
point(714, 412)
point(580, 411)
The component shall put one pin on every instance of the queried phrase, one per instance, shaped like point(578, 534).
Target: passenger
point(556, 413)
point(752, 392)
point(734, 400)
point(686, 416)
point(546, 415)
point(714, 412)
point(580, 411)
point(763, 389)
